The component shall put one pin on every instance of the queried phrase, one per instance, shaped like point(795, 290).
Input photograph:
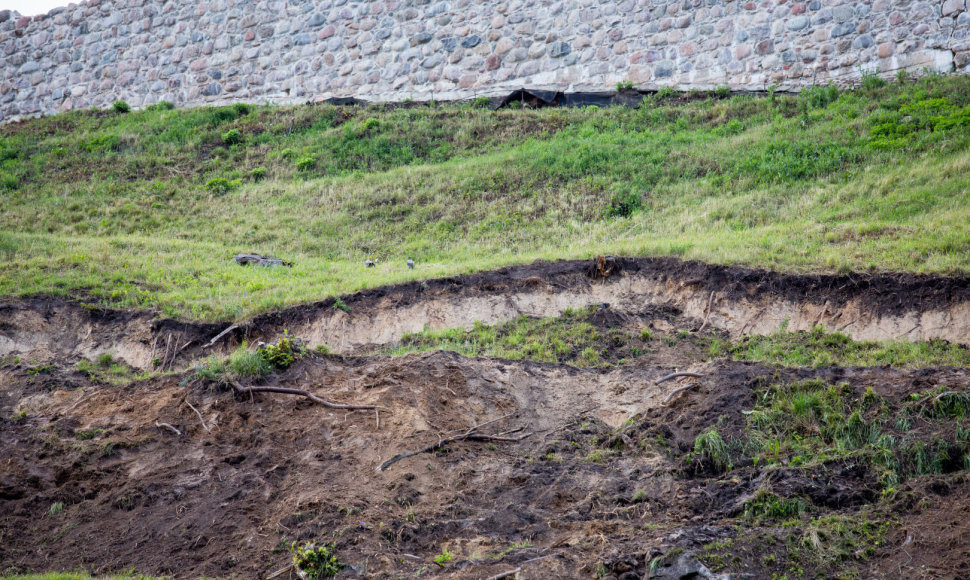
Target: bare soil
point(599, 487)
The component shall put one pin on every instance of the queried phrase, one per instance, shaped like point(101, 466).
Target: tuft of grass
point(120, 106)
point(710, 446)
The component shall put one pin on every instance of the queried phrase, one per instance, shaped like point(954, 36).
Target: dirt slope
point(108, 477)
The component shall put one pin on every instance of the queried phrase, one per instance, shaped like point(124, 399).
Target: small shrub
point(120, 106)
point(443, 558)
point(480, 102)
point(221, 185)
point(89, 434)
point(625, 204)
point(161, 106)
point(639, 496)
point(624, 86)
point(105, 360)
point(315, 561)
point(820, 96)
point(646, 334)
point(666, 92)
point(287, 153)
point(306, 163)
point(102, 143)
point(232, 137)
point(258, 173)
point(56, 508)
point(339, 304)
point(241, 109)
point(872, 81)
point(369, 125)
point(283, 352)
point(8, 182)
point(722, 92)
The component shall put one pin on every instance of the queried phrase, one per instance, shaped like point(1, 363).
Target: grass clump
point(121, 106)
point(315, 561)
point(244, 363)
point(711, 449)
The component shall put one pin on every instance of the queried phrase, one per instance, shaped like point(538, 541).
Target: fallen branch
point(825, 307)
point(673, 376)
point(501, 575)
point(678, 390)
point(330, 404)
point(220, 335)
point(167, 426)
point(710, 301)
point(280, 572)
point(471, 434)
point(201, 420)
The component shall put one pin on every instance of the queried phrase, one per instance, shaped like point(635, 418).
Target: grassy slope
point(115, 207)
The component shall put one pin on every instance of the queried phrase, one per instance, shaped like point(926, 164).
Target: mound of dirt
point(574, 473)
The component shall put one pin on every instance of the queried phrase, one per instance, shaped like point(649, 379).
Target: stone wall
point(195, 52)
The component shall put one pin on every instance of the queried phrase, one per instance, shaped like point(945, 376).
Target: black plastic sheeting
point(533, 98)
point(530, 98)
point(537, 98)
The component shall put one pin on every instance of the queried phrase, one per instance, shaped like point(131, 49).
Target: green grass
point(811, 422)
point(819, 348)
point(115, 206)
point(569, 339)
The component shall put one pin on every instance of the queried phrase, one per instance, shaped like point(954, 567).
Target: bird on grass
point(370, 263)
point(410, 264)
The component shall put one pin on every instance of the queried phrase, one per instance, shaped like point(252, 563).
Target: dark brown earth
point(599, 488)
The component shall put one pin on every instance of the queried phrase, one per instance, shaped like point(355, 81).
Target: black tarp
point(533, 98)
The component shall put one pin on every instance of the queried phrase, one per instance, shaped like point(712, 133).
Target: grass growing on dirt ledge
point(146, 208)
point(588, 337)
point(821, 348)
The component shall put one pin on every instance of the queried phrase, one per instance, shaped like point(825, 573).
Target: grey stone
point(318, 19)
point(421, 38)
point(843, 29)
point(797, 23)
point(471, 41)
point(559, 49)
point(663, 70)
point(863, 41)
point(432, 61)
point(449, 44)
point(212, 90)
point(683, 567)
point(843, 13)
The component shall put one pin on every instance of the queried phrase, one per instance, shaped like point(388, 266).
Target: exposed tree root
point(710, 302)
point(673, 376)
point(470, 435)
point(507, 574)
point(220, 335)
point(678, 390)
point(330, 404)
